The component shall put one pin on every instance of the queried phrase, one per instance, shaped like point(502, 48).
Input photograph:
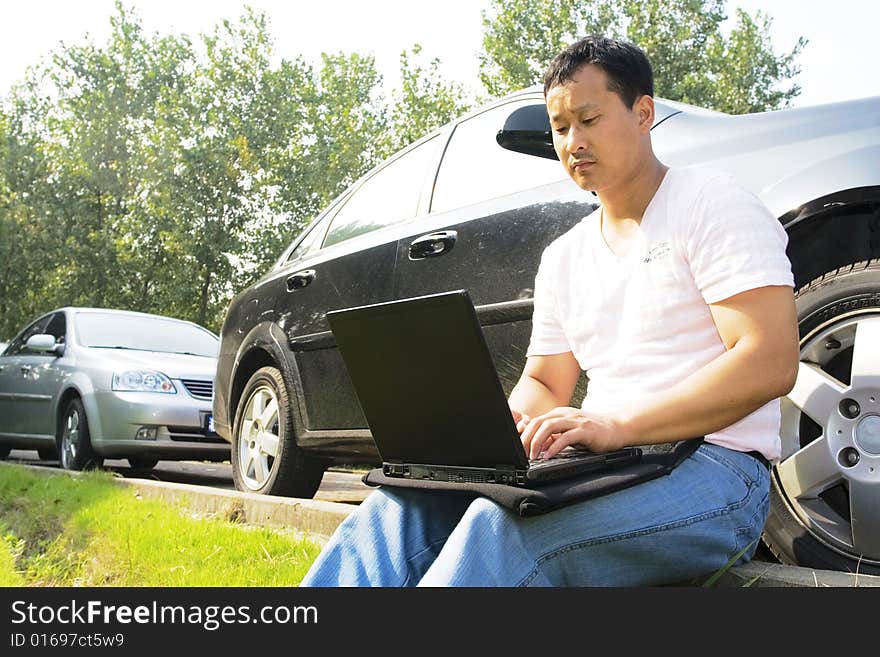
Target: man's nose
point(576, 140)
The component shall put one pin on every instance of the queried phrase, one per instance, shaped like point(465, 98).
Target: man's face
point(599, 140)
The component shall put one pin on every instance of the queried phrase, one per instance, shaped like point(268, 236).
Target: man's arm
point(547, 382)
point(759, 331)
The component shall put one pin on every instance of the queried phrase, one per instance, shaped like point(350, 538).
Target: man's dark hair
point(626, 65)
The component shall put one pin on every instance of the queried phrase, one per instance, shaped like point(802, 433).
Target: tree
point(693, 60)
point(162, 174)
point(425, 101)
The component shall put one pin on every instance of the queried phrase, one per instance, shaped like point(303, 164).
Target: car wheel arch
point(263, 347)
point(811, 228)
point(64, 400)
point(253, 359)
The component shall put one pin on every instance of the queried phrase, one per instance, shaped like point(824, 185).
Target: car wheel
point(4, 453)
point(265, 457)
point(142, 463)
point(48, 454)
point(825, 499)
point(74, 444)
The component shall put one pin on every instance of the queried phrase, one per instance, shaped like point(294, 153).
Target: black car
point(473, 206)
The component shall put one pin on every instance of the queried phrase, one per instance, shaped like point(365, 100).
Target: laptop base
point(541, 472)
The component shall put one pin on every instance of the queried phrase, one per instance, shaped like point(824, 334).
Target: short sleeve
point(733, 243)
point(548, 337)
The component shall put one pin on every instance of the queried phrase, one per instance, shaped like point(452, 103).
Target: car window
point(17, 347)
point(389, 196)
point(475, 168)
point(57, 327)
point(312, 238)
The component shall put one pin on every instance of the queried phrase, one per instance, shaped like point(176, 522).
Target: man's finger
point(562, 441)
point(530, 433)
point(535, 422)
point(548, 427)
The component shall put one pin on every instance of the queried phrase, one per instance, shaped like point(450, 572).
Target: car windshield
point(141, 333)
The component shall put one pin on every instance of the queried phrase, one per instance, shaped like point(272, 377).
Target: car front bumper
point(178, 424)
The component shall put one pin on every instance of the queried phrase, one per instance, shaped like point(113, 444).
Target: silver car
point(85, 384)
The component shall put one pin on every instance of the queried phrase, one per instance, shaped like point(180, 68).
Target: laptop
point(430, 393)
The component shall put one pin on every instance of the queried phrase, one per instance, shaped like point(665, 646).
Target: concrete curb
point(317, 519)
point(764, 574)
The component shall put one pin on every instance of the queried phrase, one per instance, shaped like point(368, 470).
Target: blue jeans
point(671, 529)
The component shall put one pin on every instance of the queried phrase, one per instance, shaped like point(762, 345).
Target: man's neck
point(628, 201)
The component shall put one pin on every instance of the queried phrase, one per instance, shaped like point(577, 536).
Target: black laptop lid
point(426, 382)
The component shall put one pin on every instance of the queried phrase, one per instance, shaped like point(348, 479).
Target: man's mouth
point(581, 165)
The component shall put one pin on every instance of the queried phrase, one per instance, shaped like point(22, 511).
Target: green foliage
point(160, 174)
point(424, 102)
point(693, 60)
point(520, 37)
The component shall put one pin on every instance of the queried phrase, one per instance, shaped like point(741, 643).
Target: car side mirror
point(527, 130)
point(44, 343)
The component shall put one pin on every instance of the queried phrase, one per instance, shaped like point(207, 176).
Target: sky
point(835, 63)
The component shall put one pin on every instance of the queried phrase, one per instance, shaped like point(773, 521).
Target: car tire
point(74, 442)
point(4, 452)
point(824, 510)
point(48, 454)
point(265, 457)
point(142, 463)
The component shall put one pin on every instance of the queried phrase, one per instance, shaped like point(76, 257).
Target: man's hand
point(563, 426)
point(520, 419)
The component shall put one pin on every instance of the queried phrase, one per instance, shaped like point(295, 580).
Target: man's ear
point(644, 108)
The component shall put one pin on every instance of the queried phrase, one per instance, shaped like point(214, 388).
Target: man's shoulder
point(697, 179)
point(698, 191)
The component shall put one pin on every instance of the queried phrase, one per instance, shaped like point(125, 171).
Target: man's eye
point(589, 121)
point(560, 131)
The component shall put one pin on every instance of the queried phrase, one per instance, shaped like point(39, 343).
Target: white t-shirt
point(640, 323)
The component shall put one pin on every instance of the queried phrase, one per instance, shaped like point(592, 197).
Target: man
point(676, 298)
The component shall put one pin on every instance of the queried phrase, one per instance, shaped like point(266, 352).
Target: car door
point(15, 366)
point(42, 377)
point(493, 212)
point(354, 266)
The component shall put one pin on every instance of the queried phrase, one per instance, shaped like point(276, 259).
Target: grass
point(86, 531)
point(717, 574)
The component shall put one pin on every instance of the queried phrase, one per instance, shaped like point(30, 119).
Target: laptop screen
point(426, 382)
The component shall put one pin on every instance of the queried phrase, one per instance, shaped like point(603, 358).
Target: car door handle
point(25, 369)
point(433, 245)
point(300, 279)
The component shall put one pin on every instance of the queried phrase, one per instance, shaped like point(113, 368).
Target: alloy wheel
point(259, 437)
point(70, 439)
point(829, 473)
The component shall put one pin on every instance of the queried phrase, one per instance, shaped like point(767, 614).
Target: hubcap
point(830, 467)
point(70, 439)
point(258, 438)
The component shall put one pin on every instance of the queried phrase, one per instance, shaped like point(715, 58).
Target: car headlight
point(143, 381)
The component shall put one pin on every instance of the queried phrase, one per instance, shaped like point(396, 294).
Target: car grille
point(199, 389)
point(193, 435)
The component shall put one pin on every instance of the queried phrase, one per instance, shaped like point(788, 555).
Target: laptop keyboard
point(564, 454)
